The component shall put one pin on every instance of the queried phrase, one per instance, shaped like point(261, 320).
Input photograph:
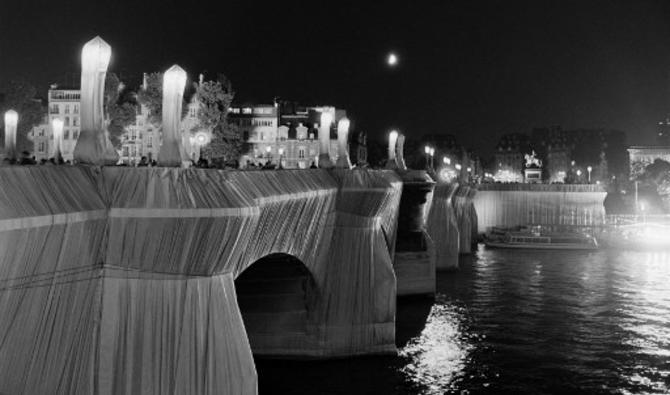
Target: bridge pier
point(442, 227)
point(414, 261)
point(466, 218)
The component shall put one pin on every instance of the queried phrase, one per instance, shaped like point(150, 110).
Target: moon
point(392, 59)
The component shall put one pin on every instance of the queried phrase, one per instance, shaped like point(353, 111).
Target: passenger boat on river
point(534, 238)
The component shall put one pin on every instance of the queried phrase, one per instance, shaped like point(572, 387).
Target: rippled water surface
point(516, 322)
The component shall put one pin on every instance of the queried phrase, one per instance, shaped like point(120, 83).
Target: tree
point(21, 96)
point(151, 96)
point(215, 97)
point(120, 108)
point(655, 182)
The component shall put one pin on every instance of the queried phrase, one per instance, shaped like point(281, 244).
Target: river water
point(516, 322)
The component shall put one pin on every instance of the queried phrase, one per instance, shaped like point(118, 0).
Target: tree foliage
point(215, 97)
point(151, 96)
point(21, 96)
point(120, 107)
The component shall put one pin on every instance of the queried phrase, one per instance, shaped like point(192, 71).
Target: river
point(516, 322)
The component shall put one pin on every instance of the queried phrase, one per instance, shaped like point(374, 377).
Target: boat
point(533, 238)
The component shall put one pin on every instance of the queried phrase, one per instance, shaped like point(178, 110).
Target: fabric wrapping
point(121, 280)
point(523, 204)
point(442, 226)
point(466, 217)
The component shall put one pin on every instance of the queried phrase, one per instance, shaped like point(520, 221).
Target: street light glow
point(57, 127)
point(458, 166)
point(392, 59)
point(11, 120)
point(326, 119)
point(446, 160)
point(432, 151)
point(426, 149)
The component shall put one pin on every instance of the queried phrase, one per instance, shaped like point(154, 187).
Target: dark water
point(516, 322)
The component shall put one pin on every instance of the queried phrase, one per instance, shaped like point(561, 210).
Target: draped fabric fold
point(523, 204)
point(442, 227)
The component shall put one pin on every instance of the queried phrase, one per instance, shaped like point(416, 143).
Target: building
point(62, 104)
point(509, 157)
point(140, 139)
point(288, 132)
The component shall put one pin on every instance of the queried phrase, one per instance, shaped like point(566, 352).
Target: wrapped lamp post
point(11, 120)
point(391, 163)
point(57, 130)
point(174, 82)
point(324, 141)
point(400, 152)
point(93, 145)
point(343, 161)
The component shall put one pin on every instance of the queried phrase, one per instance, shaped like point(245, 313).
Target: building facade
point(288, 133)
point(63, 104)
point(141, 139)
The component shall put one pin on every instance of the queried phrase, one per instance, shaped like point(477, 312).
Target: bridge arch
point(274, 295)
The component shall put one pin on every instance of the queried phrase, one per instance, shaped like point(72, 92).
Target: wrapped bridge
point(123, 280)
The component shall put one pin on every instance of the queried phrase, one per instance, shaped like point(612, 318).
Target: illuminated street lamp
point(343, 161)
point(589, 170)
point(400, 152)
point(324, 140)
point(174, 82)
point(458, 166)
point(57, 129)
point(446, 160)
point(280, 151)
point(391, 152)
point(200, 140)
point(432, 157)
point(469, 169)
point(11, 120)
point(579, 173)
point(93, 145)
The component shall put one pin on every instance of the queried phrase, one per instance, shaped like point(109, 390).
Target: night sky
point(473, 69)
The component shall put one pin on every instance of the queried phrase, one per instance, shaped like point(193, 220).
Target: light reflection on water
point(519, 322)
point(440, 353)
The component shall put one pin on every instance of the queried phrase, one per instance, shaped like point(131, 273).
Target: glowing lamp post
point(391, 163)
point(432, 157)
point(589, 170)
point(324, 140)
point(426, 150)
point(57, 130)
point(343, 161)
point(200, 140)
point(174, 81)
point(11, 120)
point(400, 152)
point(446, 160)
point(93, 145)
point(458, 166)
point(280, 151)
point(579, 173)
